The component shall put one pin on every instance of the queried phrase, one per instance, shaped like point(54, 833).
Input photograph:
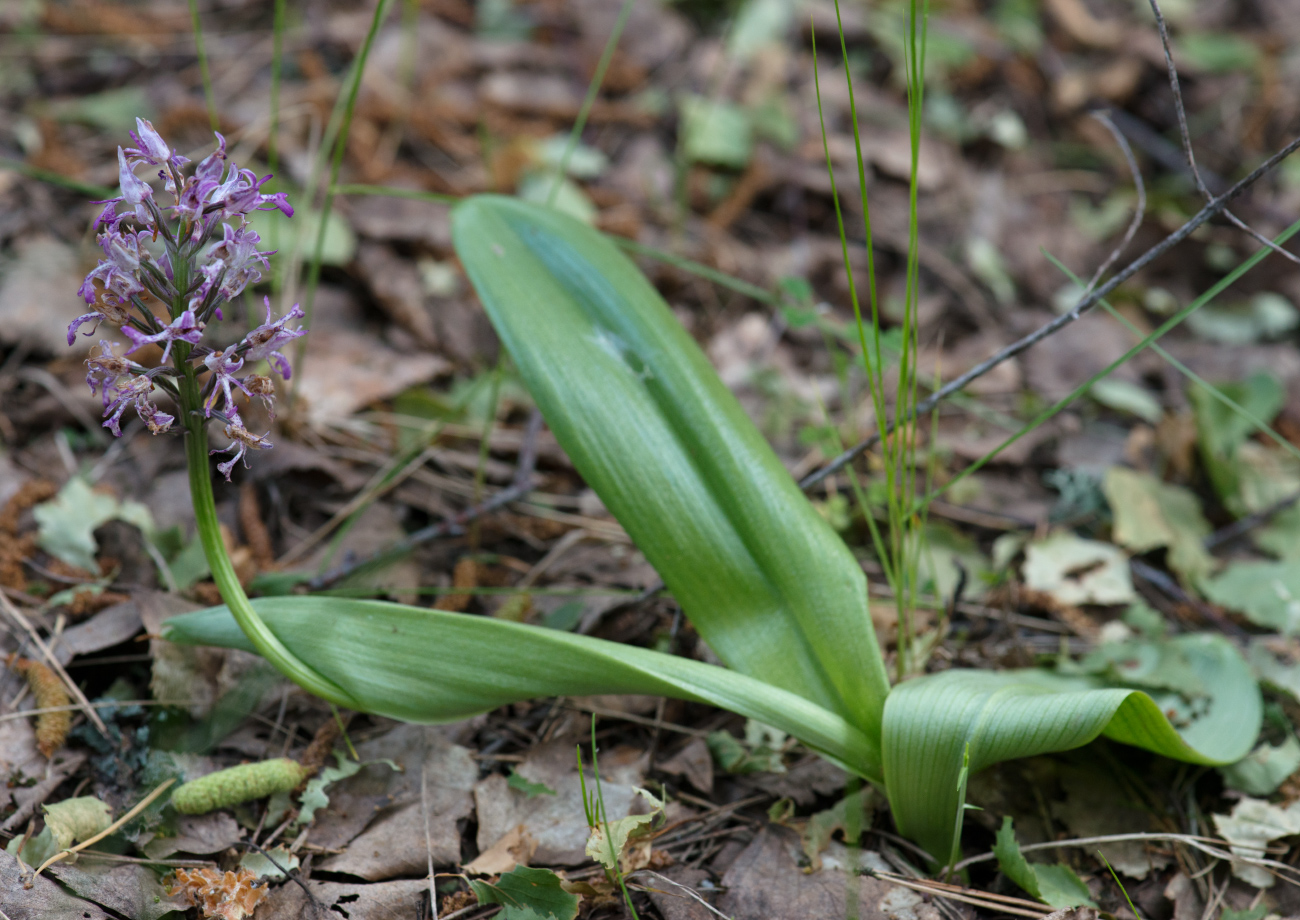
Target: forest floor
point(1142, 509)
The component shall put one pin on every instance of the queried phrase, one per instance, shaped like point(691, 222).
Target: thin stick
point(1085, 304)
point(690, 892)
point(139, 807)
point(960, 889)
point(1186, 137)
point(428, 838)
point(965, 899)
point(108, 704)
point(1138, 212)
point(1191, 840)
point(84, 704)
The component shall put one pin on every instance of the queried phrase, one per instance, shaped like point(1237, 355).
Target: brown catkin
point(49, 693)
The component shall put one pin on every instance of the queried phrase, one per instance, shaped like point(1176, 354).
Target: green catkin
point(238, 784)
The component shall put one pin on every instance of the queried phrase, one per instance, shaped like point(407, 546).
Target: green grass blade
point(647, 422)
point(422, 665)
point(593, 89)
point(353, 85)
point(208, 94)
point(1004, 715)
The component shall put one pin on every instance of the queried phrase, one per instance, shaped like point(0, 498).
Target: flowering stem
point(266, 642)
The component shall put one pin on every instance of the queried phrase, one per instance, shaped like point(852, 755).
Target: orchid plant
point(167, 272)
point(635, 403)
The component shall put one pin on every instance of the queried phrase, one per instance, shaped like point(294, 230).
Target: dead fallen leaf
point(395, 282)
point(45, 900)
point(130, 890)
point(382, 901)
point(766, 883)
point(197, 834)
point(674, 903)
point(395, 843)
point(803, 782)
point(38, 296)
point(348, 370)
point(515, 848)
point(111, 626)
point(404, 220)
point(20, 761)
point(693, 763)
point(377, 528)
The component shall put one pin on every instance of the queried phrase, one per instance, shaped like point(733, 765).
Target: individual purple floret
point(224, 366)
point(241, 440)
point(184, 328)
point(233, 264)
point(120, 272)
point(135, 191)
point(263, 388)
point(265, 342)
point(135, 392)
point(104, 312)
point(106, 369)
point(190, 257)
point(152, 150)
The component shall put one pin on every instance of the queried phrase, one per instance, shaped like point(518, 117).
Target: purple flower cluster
point(191, 257)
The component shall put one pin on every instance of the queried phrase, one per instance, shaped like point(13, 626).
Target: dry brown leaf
point(464, 575)
point(515, 848)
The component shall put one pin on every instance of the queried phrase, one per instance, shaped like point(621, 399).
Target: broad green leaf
point(1265, 768)
point(1222, 430)
point(1055, 885)
point(1150, 514)
point(67, 523)
point(77, 819)
point(528, 894)
point(299, 233)
point(1219, 52)
point(1004, 715)
point(749, 756)
point(423, 665)
point(263, 866)
point(713, 132)
point(1281, 536)
point(1283, 676)
point(66, 823)
point(646, 421)
point(1123, 396)
point(1268, 593)
point(520, 783)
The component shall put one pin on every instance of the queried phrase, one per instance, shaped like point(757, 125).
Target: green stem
point(266, 642)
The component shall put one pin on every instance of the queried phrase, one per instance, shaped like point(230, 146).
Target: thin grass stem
point(588, 101)
point(208, 93)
